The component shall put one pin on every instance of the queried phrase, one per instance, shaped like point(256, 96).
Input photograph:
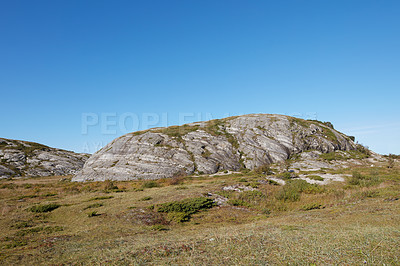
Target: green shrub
point(369, 194)
point(109, 185)
point(252, 197)
point(182, 210)
point(158, 227)
point(16, 243)
point(263, 170)
point(47, 230)
point(238, 202)
point(286, 175)
point(225, 194)
point(288, 193)
point(92, 214)
point(292, 190)
point(179, 217)
point(315, 177)
point(146, 198)
point(95, 205)
point(49, 194)
point(150, 184)
point(44, 208)
point(311, 206)
point(357, 179)
point(272, 182)
point(254, 184)
point(23, 224)
point(101, 198)
point(363, 149)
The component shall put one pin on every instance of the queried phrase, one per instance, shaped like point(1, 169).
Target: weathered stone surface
point(233, 143)
point(24, 159)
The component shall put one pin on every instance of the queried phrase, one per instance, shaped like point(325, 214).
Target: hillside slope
point(233, 143)
point(26, 159)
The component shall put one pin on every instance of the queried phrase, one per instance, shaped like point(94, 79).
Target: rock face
point(232, 143)
point(26, 159)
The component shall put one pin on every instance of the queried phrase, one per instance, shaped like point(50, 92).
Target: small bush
point(287, 175)
point(9, 186)
point(179, 217)
point(363, 149)
point(254, 184)
point(146, 198)
point(47, 230)
point(95, 205)
point(315, 177)
point(44, 208)
point(225, 194)
point(92, 214)
point(27, 196)
point(101, 198)
point(311, 206)
point(150, 184)
point(238, 202)
point(16, 243)
point(292, 190)
point(252, 197)
point(266, 211)
point(272, 182)
point(369, 194)
point(23, 224)
point(158, 227)
point(109, 185)
point(182, 210)
point(263, 170)
point(288, 193)
point(357, 179)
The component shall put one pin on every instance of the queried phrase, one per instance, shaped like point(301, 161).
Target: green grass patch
point(311, 206)
point(363, 180)
point(238, 202)
point(181, 211)
point(34, 230)
point(146, 198)
point(44, 208)
point(101, 198)
point(150, 184)
point(315, 177)
point(292, 190)
point(94, 205)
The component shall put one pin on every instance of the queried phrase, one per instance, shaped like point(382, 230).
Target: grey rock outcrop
point(27, 159)
point(232, 143)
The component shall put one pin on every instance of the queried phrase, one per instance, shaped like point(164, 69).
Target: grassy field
point(51, 220)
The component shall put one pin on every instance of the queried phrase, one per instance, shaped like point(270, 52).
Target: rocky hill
point(26, 159)
point(233, 143)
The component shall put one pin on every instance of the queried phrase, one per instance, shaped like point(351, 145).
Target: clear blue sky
point(64, 61)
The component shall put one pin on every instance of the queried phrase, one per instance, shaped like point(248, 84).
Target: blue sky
point(71, 71)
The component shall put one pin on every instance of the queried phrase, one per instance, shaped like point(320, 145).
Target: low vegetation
point(44, 208)
point(176, 221)
point(181, 211)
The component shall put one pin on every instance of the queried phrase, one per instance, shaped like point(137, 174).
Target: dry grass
point(357, 225)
